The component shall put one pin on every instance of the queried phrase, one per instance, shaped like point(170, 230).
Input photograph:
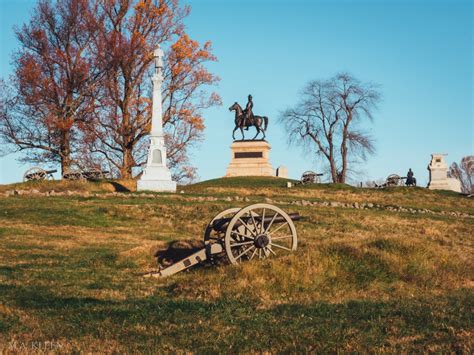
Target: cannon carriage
point(394, 180)
point(258, 231)
point(94, 174)
point(37, 174)
point(310, 177)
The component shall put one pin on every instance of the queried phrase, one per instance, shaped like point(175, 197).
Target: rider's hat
point(250, 96)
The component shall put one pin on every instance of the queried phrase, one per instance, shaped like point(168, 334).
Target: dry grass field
point(377, 278)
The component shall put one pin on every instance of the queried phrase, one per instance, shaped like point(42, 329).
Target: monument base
point(156, 178)
point(156, 185)
point(439, 175)
point(250, 158)
point(448, 184)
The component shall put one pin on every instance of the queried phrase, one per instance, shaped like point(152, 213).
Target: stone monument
point(282, 172)
point(439, 175)
point(156, 175)
point(250, 158)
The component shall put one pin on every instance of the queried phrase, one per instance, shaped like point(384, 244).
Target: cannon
point(396, 180)
point(393, 180)
point(36, 173)
point(72, 174)
point(258, 231)
point(310, 177)
point(95, 174)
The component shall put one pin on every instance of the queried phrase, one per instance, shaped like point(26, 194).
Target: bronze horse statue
point(259, 122)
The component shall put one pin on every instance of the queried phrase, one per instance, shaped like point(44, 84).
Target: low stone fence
point(304, 203)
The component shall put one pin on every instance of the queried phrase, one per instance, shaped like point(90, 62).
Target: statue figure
point(246, 118)
point(248, 112)
point(411, 181)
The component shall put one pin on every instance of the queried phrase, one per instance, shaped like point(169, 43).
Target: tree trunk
point(344, 150)
point(342, 176)
point(127, 145)
point(128, 163)
point(65, 152)
point(332, 163)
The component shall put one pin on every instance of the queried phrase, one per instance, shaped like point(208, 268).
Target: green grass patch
point(367, 280)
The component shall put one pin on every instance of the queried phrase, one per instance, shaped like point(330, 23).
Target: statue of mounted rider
point(246, 118)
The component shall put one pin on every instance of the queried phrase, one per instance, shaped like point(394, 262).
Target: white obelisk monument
point(156, 176)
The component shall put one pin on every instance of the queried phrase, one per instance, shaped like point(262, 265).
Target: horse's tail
point(265, 119)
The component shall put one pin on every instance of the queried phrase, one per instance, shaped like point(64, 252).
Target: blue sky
point(419, 51)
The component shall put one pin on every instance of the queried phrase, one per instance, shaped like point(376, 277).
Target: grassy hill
point(384, 270)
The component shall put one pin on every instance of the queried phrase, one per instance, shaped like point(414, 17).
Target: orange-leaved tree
point(129, 33)
point(50, 96)
point(184, 99)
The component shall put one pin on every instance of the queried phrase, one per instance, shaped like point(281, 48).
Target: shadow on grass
point(119, 187)
point(177, 250)
point(163, 322)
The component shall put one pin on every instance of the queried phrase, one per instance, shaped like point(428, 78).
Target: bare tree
point(464, 172)
point(327, 121)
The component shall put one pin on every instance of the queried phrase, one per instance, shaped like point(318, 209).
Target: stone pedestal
point(282, 172)
point(156, 175)
point(439, 175)
point(250, 158)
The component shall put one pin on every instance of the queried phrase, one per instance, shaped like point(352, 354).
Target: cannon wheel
point(92, 174)
point(73, 175)
point(393, 180)
point(35, 174)
point(212, 236)
point(246, 237)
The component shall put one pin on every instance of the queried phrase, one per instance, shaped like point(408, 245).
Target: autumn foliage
point(50, 96)
point(82, 85)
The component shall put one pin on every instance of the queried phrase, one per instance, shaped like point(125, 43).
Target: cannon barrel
point(221, 224)
point(51, 171)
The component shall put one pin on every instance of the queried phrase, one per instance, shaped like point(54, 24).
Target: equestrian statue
point(246, 118)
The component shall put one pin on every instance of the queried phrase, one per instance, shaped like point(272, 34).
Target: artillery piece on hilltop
point(94, 174)
point(394, 180)
point(37, 174)
point(310, 177)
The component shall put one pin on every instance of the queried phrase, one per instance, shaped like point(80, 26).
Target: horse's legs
point(242, 131)
point(258, 131)
point(233, 132)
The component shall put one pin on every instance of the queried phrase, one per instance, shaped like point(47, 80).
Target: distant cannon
point(258, 231)
point(95, 174)
point(396, 180)
point(310, 177)
point(36, 174)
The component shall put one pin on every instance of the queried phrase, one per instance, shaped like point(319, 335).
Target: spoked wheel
point(259, 231)
point(93, 175)
point(73, 175)
point(215, 231)
point(310, 177)
point(393, 180)
point(35, 174)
